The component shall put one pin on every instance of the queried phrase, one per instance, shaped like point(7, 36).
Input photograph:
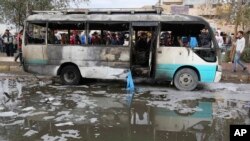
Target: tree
point(16, 11)
point(236, 12)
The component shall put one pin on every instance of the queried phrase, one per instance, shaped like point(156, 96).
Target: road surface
point(38, 109)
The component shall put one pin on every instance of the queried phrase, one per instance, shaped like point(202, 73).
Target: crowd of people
point(95, 38)
point(9, 44)
point(236, 44)
point(168, 39)
point(223, 39)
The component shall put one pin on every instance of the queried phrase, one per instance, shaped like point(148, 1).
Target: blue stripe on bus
point(36, 61)
point(167, 71)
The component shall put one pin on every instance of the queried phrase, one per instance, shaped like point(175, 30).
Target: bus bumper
point(218, 76)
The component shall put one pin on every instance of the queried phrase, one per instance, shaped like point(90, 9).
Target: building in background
point(204, 8)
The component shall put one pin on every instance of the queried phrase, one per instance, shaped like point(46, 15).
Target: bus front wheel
point(186, 79)
point(70, 75)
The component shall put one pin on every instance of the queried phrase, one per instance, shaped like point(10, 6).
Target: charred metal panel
point(93, 62)
point(91, 53)
point(33, 54)
point(42, 69)
point(114, 17)
point(102, 72)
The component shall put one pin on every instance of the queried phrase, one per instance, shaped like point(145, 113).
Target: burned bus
point(107, 43)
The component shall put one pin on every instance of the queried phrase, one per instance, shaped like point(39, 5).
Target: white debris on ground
point(79, 92)
point(93, 120)
point(99, 92)
point(48, 117)
point(97, 134)
point(29, 109)
point(70, 134)
point(52, 138)
point(63, 115)
point(30, 133)
point(66, 134)
point(17, 122)
point(81, 100)
point(198, 127)
point(8, 114)
point(64, 124)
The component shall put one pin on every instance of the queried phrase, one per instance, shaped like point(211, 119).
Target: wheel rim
point(69, 76)
point(186, 79)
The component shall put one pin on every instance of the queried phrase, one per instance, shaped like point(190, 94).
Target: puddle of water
point(105, 112)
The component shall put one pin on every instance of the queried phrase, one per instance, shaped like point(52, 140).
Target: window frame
point(213, 42)
point(27, 26)
point(68, 31)
point(113, 22)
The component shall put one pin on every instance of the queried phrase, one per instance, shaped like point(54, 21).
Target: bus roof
point(112, 15)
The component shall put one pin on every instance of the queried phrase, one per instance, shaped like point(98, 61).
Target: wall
point(199, 2)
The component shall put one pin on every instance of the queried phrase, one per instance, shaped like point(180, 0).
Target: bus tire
point(186, 79)
point(70, 75)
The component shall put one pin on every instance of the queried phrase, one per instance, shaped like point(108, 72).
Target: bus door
point(144, 45)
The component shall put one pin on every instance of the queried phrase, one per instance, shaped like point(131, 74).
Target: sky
point(4, 26)
point(116, 3)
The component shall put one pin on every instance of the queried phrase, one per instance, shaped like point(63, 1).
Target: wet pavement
point(38, 109)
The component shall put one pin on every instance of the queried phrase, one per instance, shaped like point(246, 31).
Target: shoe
point(245, 68)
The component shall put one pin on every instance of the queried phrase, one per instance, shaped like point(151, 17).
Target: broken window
point(35, 33)
point(109, 34)
point(185, 35)
point(66, 33)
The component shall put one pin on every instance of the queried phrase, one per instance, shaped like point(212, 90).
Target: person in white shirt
point(240, 45)
point(219, 39)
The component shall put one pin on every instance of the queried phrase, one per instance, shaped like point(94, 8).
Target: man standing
point(19, 45)
point(219, 39)
point(240, 45)
point(8, 42)
point(205, 38)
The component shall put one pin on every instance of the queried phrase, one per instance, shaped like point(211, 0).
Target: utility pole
point(160, 2)
point(158, 7)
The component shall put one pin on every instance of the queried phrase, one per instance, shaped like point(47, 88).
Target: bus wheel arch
point(69, 74)
point(188, 73)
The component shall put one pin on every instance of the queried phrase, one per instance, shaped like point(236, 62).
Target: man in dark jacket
point(205, 38)
point(8, 42)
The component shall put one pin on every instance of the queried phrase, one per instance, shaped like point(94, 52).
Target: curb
point(236, 77)
point(12, 68)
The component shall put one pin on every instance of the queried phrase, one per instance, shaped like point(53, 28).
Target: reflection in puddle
point(106, 113)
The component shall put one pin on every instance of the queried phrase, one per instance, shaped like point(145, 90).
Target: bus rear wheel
point(186, 79)
point(70, 75)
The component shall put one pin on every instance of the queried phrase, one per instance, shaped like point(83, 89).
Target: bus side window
point(109, 34)
point(35, 33)
point(66, 33)
point(184, 35)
